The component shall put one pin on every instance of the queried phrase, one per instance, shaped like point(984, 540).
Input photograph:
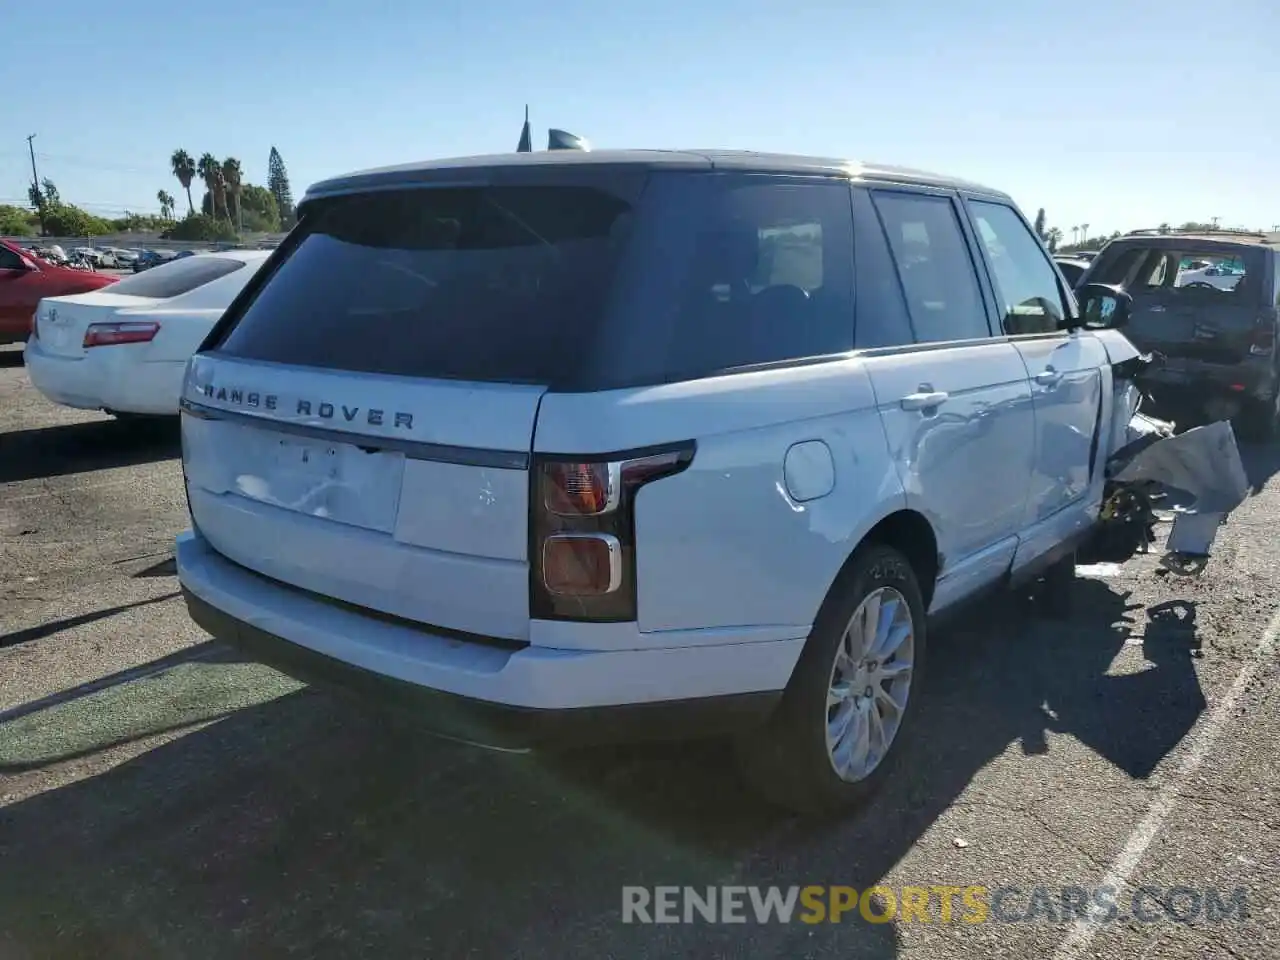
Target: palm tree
point(1053, 237)
point(184, 168)
point(163, 199)
point(232, 175)
point(1075, 235)
point(210, 171)
point(1084, 232)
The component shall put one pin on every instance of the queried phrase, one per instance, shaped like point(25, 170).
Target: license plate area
point(309, 462)
point(327, 479)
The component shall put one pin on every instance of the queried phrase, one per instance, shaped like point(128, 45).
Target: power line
point(106, 166)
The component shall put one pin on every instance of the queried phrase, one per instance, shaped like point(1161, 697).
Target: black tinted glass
point(938, 278)
point(177, 277)
point(483, 283)
point(737, 270)
point(9, 260)
point(574, 287)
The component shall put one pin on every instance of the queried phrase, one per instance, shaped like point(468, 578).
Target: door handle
point(924, 400)
point(1156, 308)
point(1048, 376)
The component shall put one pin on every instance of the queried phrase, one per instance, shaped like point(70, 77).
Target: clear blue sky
point(1118, 114)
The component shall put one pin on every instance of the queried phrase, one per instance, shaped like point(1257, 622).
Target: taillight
point(129, 331)
point(34, 333)
point(1263, 341)
point(582, 531)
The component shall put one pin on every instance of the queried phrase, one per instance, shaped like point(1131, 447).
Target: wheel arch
point(909, 532)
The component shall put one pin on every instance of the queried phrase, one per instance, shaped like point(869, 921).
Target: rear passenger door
point(955, 401)
point(1065, 369)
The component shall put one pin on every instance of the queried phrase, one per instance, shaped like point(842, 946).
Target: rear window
point(176, 277)
point(1213, 273)
point(574, 287)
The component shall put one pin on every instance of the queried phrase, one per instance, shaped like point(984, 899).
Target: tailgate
point(406, 496)
point(1202, 325)
point(61, 322)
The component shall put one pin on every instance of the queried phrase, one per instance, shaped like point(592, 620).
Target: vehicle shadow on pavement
point(1261, 463)
point(308, 825)
point(83, 447)
point(11, 358)
point(51, 627)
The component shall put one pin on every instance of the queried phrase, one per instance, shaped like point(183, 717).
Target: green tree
point(184, 168)
point(231, 175)
point(65, 220)
point(210, 171)
point(278, 184)
point(258, 207)
point(201, 228)
point(138, 222)
point(15, 222)
point(1039, 225)
point(166, 204)
point(1053, 237)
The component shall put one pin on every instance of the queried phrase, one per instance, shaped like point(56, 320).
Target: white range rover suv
point(569, 447)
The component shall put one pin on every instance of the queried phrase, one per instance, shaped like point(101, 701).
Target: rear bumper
point(1251, 378)
point(504, 695)
point(107, 378)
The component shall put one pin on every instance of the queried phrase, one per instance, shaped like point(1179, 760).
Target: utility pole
point(35, 183)
point(1215, 222)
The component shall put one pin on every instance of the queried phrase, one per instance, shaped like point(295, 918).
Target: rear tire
point(849, 707)
point(1260, 420)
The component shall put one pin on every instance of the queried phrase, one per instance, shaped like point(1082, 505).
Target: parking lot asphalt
point(160, 797)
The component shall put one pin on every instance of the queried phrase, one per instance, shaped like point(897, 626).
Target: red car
point(25, 281)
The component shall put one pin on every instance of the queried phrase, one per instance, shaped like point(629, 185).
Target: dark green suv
point(1206, 305)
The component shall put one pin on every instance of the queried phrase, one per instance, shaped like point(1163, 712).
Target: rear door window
point(576, 287)
point(732, 271)
point(176, 277)
point(882, 319)
point(935, 266)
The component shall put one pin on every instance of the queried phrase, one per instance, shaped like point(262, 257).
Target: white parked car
point(581, 446)
point(1222, 276)
point(122, 258)
point(123, 348)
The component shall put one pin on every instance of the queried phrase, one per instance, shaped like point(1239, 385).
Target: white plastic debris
point(1205, 463)
point(1098, 571)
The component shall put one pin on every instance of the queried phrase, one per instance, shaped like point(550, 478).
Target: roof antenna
point(563, 140)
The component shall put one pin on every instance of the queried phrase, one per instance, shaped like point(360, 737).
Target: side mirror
point(1104, 307)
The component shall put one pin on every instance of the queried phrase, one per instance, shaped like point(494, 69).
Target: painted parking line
point(1203, 738)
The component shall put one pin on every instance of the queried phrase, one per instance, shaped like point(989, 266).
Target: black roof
point(461, 168)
